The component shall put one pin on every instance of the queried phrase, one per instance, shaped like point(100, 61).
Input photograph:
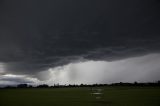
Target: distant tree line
point(157, 83)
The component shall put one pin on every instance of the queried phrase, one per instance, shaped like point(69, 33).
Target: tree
point(22, 86)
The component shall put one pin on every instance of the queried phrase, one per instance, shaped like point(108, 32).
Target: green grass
point(112, 96)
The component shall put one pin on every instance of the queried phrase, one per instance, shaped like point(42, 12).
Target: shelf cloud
point(37, 35)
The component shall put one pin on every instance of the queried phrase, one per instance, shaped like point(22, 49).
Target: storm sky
point(79, 41)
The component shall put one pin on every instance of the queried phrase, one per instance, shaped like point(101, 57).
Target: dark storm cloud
point(38, 34)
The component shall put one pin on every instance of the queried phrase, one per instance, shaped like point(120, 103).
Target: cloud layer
point(37, 35)
point(141, 69)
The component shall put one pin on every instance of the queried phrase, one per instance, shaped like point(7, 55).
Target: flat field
point(81, 96)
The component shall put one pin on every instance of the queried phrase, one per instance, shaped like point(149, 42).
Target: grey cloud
point(36, 35)
point(141, 69)
point(8, 79)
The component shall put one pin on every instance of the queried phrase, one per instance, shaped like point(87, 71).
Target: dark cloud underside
point(38, 34)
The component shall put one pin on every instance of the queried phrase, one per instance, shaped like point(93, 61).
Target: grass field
point(112, 96)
